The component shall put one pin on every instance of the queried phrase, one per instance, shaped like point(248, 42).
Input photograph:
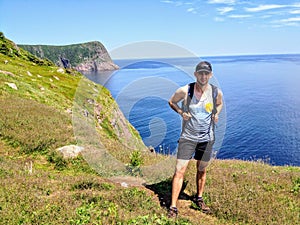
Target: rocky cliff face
point(96, 65)
point(90, 56)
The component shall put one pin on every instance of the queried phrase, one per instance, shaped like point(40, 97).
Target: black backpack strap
point(190, 94)
point(214, 111)
point(214, 95)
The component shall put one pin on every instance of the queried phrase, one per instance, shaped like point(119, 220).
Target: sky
point(202, 28)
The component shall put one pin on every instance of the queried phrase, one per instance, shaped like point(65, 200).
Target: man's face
point(203, 77)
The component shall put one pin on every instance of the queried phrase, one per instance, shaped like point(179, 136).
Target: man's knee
point(201, 166)
point(181, 166)
point(178, 175)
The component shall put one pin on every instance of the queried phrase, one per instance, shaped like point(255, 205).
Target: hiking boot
point(173, 212)
point(201, 205)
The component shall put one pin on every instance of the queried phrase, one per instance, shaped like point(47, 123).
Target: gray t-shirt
point(199, 127)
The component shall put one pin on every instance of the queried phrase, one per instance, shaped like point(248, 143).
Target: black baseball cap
point(204, 66)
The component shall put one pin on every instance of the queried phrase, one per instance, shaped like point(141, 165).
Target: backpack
point(214, 95)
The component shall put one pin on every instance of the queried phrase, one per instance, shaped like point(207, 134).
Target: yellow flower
point(209, 107)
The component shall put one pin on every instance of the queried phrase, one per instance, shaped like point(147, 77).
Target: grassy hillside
point(10, 49)
point(38, 186)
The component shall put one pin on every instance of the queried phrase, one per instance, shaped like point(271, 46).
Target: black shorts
point(201, 151)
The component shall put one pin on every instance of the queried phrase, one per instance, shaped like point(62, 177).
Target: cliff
point(90, 56)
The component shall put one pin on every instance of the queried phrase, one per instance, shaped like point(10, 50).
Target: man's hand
point(215, 118)
point(186, 115)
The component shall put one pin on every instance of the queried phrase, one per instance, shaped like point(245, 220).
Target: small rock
point(124, 184)
point(12, 85)
point(69, 111)
point(70, 151)
point(7, 73)
point(60, 70)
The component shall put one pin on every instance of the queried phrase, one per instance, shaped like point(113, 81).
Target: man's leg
point(201, 177)
point(177, 181)
point(200, 181)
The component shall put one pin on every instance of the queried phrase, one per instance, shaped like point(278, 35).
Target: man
point(199, 113)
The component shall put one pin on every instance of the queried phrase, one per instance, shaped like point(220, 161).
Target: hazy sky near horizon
point(205, 28)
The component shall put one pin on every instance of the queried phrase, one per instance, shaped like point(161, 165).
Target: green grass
point(32, 126)
point(50, 196)
point(238, 192)
point(253, 193)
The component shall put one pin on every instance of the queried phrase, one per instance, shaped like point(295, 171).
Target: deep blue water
point(261, 117)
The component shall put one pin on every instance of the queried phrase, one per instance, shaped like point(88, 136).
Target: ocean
point(261, 115)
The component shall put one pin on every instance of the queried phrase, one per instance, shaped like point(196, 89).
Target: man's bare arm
point(219, 106)
point(177, 97)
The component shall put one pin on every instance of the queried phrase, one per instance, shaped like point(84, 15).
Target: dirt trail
point(128, 181)
point(163, 198)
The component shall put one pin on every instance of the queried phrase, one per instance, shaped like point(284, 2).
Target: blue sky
point(206, 28)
